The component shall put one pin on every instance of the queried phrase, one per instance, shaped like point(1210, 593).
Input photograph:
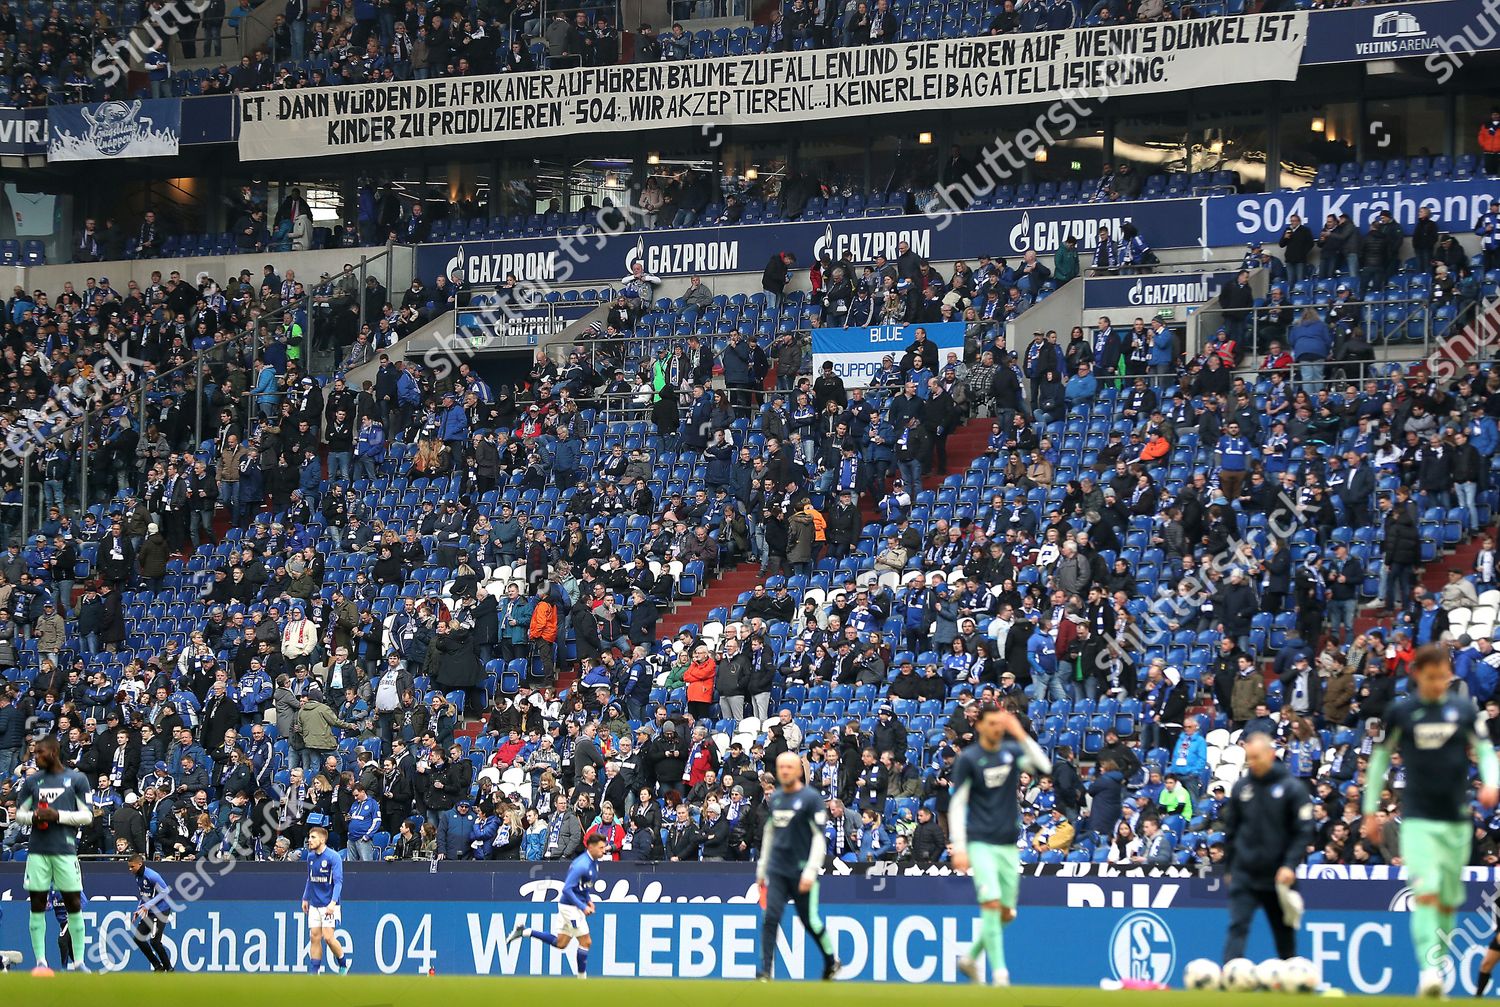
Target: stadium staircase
point(1433, 575)
point(964, 445)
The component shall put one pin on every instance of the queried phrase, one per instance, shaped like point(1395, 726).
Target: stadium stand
point(524, 586)
point(62, 54)
point(240, 578)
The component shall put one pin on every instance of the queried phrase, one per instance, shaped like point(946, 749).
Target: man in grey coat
point(729, 681)
point(564, 833)
point(1072, 571)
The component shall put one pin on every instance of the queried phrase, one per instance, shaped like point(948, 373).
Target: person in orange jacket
point(699, 677)
point(1156, 447)
point(820, 526)
point(543, 634)
point(1489, 142)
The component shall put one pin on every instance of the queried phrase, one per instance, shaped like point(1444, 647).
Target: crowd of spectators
point(429, 612)
point(57, 57)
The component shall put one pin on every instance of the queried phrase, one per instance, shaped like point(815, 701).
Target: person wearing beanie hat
point(890, 732)
point(299, 637)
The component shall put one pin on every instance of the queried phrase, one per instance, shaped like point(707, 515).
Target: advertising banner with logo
point(856, 353)
point(702, 921)
point(23, 131)
point(773, 87)
point(505, 329)
point(1155, 291)
point(1456, 206)
point(746, 248)
point(114, 129)
point(1439, 32)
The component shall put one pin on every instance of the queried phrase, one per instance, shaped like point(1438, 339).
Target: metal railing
point(546, 11)
point(1089, 271)
point(1407, 322)
point(81, 428)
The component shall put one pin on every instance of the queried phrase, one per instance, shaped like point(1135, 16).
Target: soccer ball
point(1298, 975)
point(1268, 974)
point(1201, 974)
point(1239, 975)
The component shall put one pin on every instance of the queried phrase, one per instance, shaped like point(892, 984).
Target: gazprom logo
point(1020, 235)
point(1181, 290)
point(456, 264)
point(863, 245)
point(1402, 901)
point(1141, 947)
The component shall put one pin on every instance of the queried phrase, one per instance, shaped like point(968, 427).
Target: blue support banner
point(856, 353)
point(113, 129)
point(1242, 219)
point(702, 921)
point(746, 248)
point(1151, 292)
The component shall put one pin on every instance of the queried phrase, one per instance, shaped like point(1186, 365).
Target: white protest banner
point(773, 87)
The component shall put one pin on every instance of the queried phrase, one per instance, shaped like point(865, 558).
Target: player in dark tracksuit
point(792, 849)
point(1491, 954)
point(60, 913)
point(1268, 825)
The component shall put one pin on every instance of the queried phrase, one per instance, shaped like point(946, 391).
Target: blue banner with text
point(1455, 205)
point(702, 921)
point(747, 248)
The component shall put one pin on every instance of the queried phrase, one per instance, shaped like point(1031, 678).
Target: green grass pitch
point(257, 990)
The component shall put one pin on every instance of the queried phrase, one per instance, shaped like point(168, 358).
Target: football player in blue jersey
point(574, 906)
point(153, 911)
point(320, 902)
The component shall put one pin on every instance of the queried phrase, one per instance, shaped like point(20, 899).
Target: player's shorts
point(46, 871)
point(325, 917)
point(1435, 855)
point(574, 922)
point(997, 872)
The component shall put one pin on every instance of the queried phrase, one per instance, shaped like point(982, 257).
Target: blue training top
point(578, 889)
point(150, 890)
point(325, 878)
point(60, 911)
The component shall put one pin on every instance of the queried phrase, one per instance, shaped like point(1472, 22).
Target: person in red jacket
point(702, 760)
point(1489, 142)
point(607, 826)
point(700, 683)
